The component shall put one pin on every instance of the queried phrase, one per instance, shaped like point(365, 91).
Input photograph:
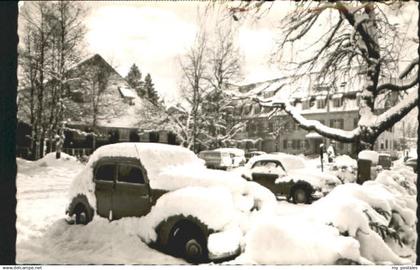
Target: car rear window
point(106, 172)
point(210, 154)
point(130, 174)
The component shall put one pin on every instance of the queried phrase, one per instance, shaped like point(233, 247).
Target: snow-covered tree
point(53, 33)
point(194, 85)
point(134, 80)
point(149, 89)
point(357, 35)
point(222, 67)
point(94, 80)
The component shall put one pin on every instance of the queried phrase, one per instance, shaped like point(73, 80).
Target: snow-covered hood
point(176, 177)
point(180, 177)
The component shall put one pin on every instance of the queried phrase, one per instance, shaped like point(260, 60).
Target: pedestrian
point(331, 153)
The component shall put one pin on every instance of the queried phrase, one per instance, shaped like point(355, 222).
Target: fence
point(78, 152)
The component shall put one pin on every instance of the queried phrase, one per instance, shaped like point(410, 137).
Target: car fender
point(80, 199)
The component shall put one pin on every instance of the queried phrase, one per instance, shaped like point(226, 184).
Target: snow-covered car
point(238, 155)
point(184, 208)
point(287, 175)
point(216, 159)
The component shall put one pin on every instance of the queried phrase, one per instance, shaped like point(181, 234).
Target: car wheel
point(300, 196)
point(189, 243)
point(83, 216)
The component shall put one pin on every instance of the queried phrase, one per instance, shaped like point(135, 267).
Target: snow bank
point(295, 241)
point(369, 155)
point(51, 161)
point(360, 210)
point(345, 161)
point(99, 242)
point(373, 223)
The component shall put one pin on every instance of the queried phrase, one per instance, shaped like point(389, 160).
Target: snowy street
point(44, 237)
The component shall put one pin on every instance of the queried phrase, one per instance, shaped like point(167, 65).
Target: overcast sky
point(154, 34)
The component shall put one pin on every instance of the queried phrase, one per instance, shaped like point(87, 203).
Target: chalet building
point(118, 111)
point(335, 105)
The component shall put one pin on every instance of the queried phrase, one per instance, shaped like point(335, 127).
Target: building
point(334, 104)
point(98, 100)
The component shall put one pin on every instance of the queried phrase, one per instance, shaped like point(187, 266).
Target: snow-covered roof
point(127, 92)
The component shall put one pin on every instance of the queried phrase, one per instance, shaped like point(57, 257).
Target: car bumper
point(225, 256)
point(224, 245)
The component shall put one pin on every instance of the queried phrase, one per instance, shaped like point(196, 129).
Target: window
point(355, 122)
point(124, 135)
point(284, 144)
point(340, 123)
point(386, 144)
point(320, 103)
point(322, 122)
point(268, 164)
point(296, 144)
point(106, 172)
point(130, 174)
point(337, 102)
point(332, 121)
point(305, 104)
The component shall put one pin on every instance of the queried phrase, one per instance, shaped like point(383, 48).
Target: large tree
point(134, 80)
point(222, 67)
point(357, 35)
point(53, 34)
point(193, 88)
point(149, 89)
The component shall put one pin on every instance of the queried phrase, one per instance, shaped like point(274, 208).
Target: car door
point(131, 195)
point(104, 178)
point(265, 172)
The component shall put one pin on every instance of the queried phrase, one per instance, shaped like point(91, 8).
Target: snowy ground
point(45, 238)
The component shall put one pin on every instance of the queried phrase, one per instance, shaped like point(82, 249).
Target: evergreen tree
point(149, 89)
point(134, 80)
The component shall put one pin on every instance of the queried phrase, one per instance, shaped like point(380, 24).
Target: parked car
point(217, 159)
point(369, 164)
point(286, 175)
point(189, 210)
point(251, 154)
point(412, 162)
point(238, 155)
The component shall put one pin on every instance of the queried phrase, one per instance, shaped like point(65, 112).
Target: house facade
point(98, 101)
point(333, 104)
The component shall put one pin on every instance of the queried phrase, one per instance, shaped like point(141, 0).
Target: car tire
point(301, 192)
point(83, 215)
point(188, 242)
point(300, 195)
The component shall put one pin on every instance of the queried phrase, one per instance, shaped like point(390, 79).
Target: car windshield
point(268, 166)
